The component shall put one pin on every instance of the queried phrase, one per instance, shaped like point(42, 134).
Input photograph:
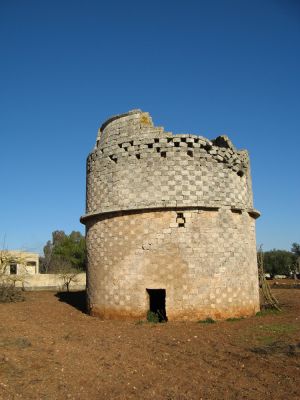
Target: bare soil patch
point(50, 349)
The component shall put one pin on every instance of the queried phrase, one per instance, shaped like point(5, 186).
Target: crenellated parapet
point(136, 165)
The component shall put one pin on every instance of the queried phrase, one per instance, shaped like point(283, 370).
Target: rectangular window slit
point(237, 211)
point(180, 220)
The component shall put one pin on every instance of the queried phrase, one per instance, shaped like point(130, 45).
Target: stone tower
point(170, 224)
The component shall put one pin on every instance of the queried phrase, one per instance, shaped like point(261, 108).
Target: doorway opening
point(13, 269)
point(157, 304)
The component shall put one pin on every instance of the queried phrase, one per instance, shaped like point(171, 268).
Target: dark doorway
point(157, 300)
point(13, 269)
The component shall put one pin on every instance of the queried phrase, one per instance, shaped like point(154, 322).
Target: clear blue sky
point(209, 67)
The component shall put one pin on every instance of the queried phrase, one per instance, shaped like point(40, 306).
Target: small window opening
point(31, 263)
point(190, 153)
point(150, 146)
point(190, 144)
point(158, 149)
point(176, 144)
point(163, 154)
point(180, 220)
point(240, 173)
point(113, 158)
point(237, 211)
point(120, 145)
point(157, 304)
point(183, 139)
point(156, 140)
point(13, 269)
point(138, 156)
point(131, 142)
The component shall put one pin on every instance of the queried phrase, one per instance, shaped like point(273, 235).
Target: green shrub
point(234, 319)
point(207, 320)
point(267, 311)
point(152, 317)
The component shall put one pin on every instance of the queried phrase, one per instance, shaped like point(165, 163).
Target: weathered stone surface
point(173, 212)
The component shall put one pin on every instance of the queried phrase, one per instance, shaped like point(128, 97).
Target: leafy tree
point(64, 250)
point(296, 249)
point(58, 237)
point(68, 275)
point(279, 262)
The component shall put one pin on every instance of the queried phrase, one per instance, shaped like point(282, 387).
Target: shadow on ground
point(75, 299)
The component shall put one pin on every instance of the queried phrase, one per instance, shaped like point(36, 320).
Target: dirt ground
point(50, 349)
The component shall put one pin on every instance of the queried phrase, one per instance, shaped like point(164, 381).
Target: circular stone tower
point(170, 224)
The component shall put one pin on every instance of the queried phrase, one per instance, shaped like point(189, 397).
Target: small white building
point(20, 262)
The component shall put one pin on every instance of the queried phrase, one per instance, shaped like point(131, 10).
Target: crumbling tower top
point(136, 165)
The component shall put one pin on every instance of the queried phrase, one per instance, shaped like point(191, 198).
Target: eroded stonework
point(170, 212)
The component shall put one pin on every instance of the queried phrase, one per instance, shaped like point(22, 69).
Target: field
point(50, 349)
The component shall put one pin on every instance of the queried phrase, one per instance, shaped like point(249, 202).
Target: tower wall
point(169, 211)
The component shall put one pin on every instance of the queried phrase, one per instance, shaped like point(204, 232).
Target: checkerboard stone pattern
point(171, 212)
